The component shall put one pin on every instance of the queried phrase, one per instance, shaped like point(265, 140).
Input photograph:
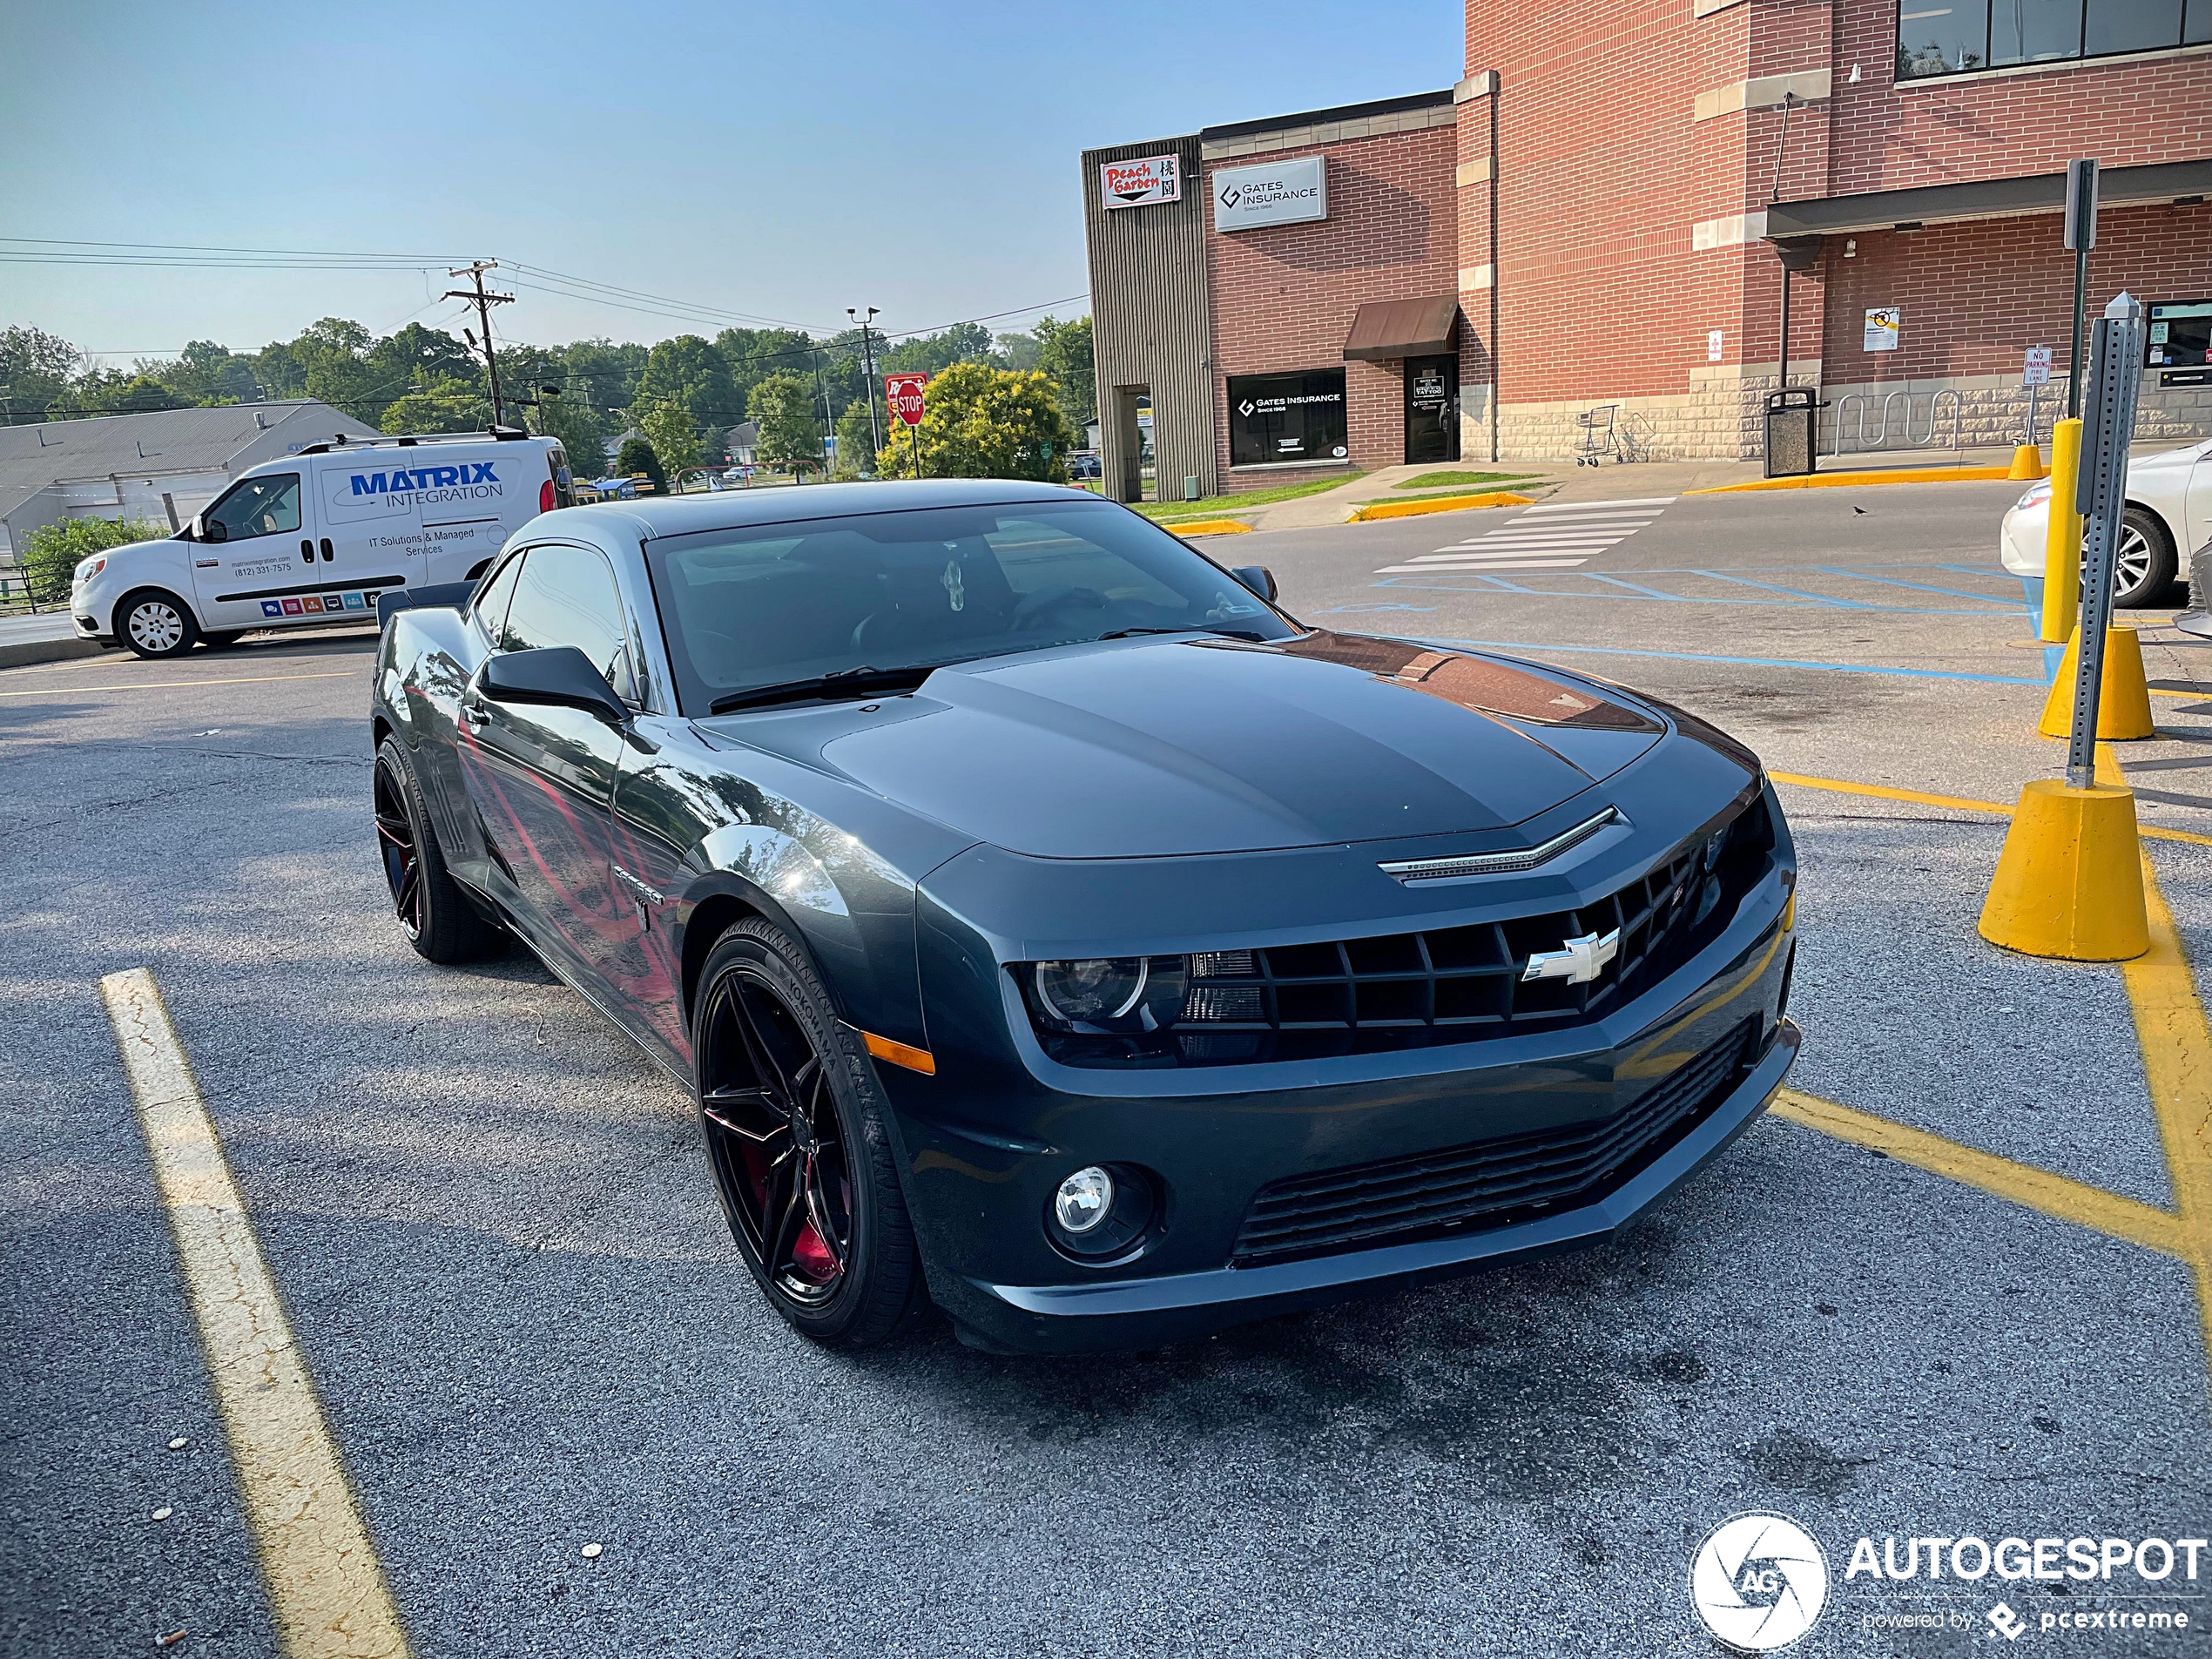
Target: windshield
point(775, 603)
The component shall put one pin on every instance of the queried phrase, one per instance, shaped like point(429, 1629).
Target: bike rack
point(1851, 421)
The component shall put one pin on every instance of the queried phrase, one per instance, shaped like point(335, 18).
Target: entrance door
point(1432, 409)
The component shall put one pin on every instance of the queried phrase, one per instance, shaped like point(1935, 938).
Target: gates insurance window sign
point(1274, 192)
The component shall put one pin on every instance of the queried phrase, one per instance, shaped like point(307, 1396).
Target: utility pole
point(829, 427)
point(484, 302)
point(867, 355)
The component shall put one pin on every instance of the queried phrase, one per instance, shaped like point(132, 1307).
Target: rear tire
point(2146, 565)
point(156, 625)
point(432, 912)
point(795, 1128)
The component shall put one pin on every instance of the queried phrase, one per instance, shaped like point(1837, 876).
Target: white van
point(316, 536)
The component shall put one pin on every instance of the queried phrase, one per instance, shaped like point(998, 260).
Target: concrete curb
point(1368, 512)
point(1838, 480)
point(46, 650)
point(1205, 527)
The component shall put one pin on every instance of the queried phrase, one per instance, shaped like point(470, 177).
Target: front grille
point(1489, 1184)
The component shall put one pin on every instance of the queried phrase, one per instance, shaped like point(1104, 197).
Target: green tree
point(964, 342)
point(438, 404)
point(581, 428)
point(1064, 354)
point(34, 369)
point(784, 405)
point(668, 428)
point(636, 456)
point(688, 372)
point(984, 422)
point(752, 355)
point(1015, 351)
point(333, 356)
point(49, 554)
point(205, 373)
point(855, 441)
point(144, 392)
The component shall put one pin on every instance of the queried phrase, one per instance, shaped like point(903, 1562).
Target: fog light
point(1084, 1200)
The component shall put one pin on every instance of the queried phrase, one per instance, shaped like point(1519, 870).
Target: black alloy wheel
point(436, 916)
point(794, 1129)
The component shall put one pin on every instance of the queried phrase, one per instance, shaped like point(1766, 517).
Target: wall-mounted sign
point(2038, 369)
point(1141, 181)
point(1273, 193)
point(1714, 341)
point(1882, 323)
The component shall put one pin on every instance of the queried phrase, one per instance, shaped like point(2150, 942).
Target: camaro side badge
point(1578, 962)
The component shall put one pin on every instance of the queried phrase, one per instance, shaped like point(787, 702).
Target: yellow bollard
point(2062, 539)
point(2069, 883)
point(2027, 463)
point(2123, 701)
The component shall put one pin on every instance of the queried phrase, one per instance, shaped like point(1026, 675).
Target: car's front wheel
point(156, 625)
point(433, 913)
point(794, 1127)
point(2144, 564)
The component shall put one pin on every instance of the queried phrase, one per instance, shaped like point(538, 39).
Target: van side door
point(248, 559)
point(366, 538)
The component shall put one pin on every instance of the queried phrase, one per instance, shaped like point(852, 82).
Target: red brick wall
point(2124, 111)
point(1976, 295)
point(1284, 296)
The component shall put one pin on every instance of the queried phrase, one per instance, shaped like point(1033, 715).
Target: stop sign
point(903, 394)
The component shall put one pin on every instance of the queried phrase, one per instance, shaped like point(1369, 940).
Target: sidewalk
point(49, 636)
point(1562, 480)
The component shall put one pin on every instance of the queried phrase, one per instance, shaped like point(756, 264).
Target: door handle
point(326, 549)
point(307, 551)
point(476, 715)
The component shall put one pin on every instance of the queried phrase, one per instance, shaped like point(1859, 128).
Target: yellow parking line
point(1958, 803)
point(2086, 1206)
point(326, 1588)
point(2177, 1064)
point(163, 686)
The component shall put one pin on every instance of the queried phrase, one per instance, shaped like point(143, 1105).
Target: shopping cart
point(1598, 442)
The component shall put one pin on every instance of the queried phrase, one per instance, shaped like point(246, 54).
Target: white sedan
point(2170, 511)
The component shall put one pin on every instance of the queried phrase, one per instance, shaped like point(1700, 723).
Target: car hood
point(1150, 748)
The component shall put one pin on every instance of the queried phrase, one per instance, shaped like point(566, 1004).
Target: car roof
point(653, 517)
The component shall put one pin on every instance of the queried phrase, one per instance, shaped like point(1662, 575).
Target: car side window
point(268, 505)
point(566, 595)
point(490, 607)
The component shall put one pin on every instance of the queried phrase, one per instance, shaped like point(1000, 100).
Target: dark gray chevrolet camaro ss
point(1052, 928)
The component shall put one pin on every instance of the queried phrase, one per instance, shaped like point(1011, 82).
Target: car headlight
point(87, 569)
point(2035, 493)
point(1106, 993)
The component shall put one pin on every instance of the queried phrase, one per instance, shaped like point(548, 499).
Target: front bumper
point(2020, 544)
point(1141, 1311)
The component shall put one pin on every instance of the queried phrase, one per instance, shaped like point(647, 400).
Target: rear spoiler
point(443, 595)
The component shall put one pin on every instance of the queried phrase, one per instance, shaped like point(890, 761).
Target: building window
point(1933, 38)
point(1274, 418)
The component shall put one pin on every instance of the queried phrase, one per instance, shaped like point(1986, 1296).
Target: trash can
point(1789, 418)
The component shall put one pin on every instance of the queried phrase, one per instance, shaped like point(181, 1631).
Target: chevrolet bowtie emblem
point(1578, 962)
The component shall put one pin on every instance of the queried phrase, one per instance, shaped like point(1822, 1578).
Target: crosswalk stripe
point(1506, 553)
point(1480, 564)
point(1501, 544)
point(1601, 506)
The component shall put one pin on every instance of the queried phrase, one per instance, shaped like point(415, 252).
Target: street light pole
point(867, 356)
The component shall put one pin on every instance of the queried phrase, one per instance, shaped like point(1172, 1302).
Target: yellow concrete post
point(2062, 539)
point(2027, 463)
point(2123, 701)
point(2069, 883)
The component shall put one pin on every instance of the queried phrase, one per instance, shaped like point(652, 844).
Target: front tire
point(156, 625)
point(2144, 565)
point(432, 912)
point(795, 1133)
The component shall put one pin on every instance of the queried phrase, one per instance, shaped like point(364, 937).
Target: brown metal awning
point(1882, 210)
point(1387, 329)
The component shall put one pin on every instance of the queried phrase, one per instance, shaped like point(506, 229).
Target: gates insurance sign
point(1274, 192)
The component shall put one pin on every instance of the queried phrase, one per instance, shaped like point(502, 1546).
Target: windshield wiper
point(1230, 633)
point(840, 685)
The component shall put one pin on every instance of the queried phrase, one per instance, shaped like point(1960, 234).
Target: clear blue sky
point(785, 161)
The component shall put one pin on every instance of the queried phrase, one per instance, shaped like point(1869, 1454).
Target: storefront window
point(1274, 418)
point(1933, 38)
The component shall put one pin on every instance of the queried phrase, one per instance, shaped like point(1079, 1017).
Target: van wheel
point(156, 625)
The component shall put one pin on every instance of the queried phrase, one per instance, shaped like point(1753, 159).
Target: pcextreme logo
point(1758, 1582)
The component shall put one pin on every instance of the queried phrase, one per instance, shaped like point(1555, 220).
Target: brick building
point(1602, 210)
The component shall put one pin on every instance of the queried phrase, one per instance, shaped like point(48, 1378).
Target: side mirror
point(213, 530)
point(560, 675)
point(1258, 578)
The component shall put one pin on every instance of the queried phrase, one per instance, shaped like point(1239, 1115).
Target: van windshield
point(768, 604)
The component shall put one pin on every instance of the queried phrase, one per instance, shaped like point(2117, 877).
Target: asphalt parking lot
point(1966, 1300)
